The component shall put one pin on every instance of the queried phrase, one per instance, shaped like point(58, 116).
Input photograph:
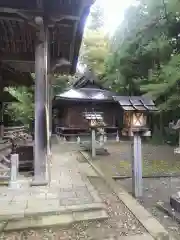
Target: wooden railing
point(15, 130)
point(14, 137)
point(5, 164)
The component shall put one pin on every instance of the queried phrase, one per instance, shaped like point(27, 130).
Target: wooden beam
point(39, 13)
point(51, 25)
point(16, 61)
point(14, 10)
point(28, 19)
point(16, 57)
point(72, 46)
point(58, 64)
point(65, 17)
point(23, 16)
point(11, 18)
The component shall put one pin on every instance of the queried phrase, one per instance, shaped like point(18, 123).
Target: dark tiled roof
point(133, 103)
point(87, 94)
point(88, 78)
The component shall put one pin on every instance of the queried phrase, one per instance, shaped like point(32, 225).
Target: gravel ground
point(155, 190)
point(120, 223)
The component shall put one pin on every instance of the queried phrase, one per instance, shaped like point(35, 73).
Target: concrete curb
point(153, 227)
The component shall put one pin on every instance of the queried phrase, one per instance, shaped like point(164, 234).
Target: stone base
point(39, 182)
point(99, 149)
point(177, 151)
point(167, 209)
point(14, 185)
point(175, 202)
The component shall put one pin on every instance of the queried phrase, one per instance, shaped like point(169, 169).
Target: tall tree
point(94, 48)
point(96, 18)
point(145, 55)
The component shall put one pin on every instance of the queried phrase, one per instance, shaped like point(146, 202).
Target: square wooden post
point(137, 181)
point(93, 142)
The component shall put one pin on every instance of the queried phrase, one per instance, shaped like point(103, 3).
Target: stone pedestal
point(14, 171)
point(175, 201)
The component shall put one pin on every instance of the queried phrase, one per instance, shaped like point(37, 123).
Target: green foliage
point(23, 110)
point(60, 83)
point(94, 50)
point(144, 56)
point(145, 51)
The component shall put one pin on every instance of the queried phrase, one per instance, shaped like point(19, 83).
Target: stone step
point(135, 237)
point(61, 216)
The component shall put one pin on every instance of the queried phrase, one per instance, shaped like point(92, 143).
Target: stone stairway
point(68, 198)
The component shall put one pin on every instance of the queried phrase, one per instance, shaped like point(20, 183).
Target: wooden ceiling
point(65, 20)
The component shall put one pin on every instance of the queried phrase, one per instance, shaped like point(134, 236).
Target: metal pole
point(40, 151)
point(137, 184)
point(93, 142)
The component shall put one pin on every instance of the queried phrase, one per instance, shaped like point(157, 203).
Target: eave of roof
point(135, 103)
point(86, 94)
point(65, 19)
point(12, 77)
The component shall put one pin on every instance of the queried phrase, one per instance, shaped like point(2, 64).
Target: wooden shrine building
point(85, 95)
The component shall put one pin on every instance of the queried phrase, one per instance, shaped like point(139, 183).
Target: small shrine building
point(85, 95)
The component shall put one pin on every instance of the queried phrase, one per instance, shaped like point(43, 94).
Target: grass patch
point(151, 167)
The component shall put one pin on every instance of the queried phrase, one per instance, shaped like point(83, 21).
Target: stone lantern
point(96, 122)
point(136, 111)
point(135, 114)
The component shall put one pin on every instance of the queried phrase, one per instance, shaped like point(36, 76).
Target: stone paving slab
point(69, 191)
point(137, 237)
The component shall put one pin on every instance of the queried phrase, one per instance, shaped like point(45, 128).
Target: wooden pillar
point(50, 109)
point(47, 76)
point(40, 146)
point(1, 120)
